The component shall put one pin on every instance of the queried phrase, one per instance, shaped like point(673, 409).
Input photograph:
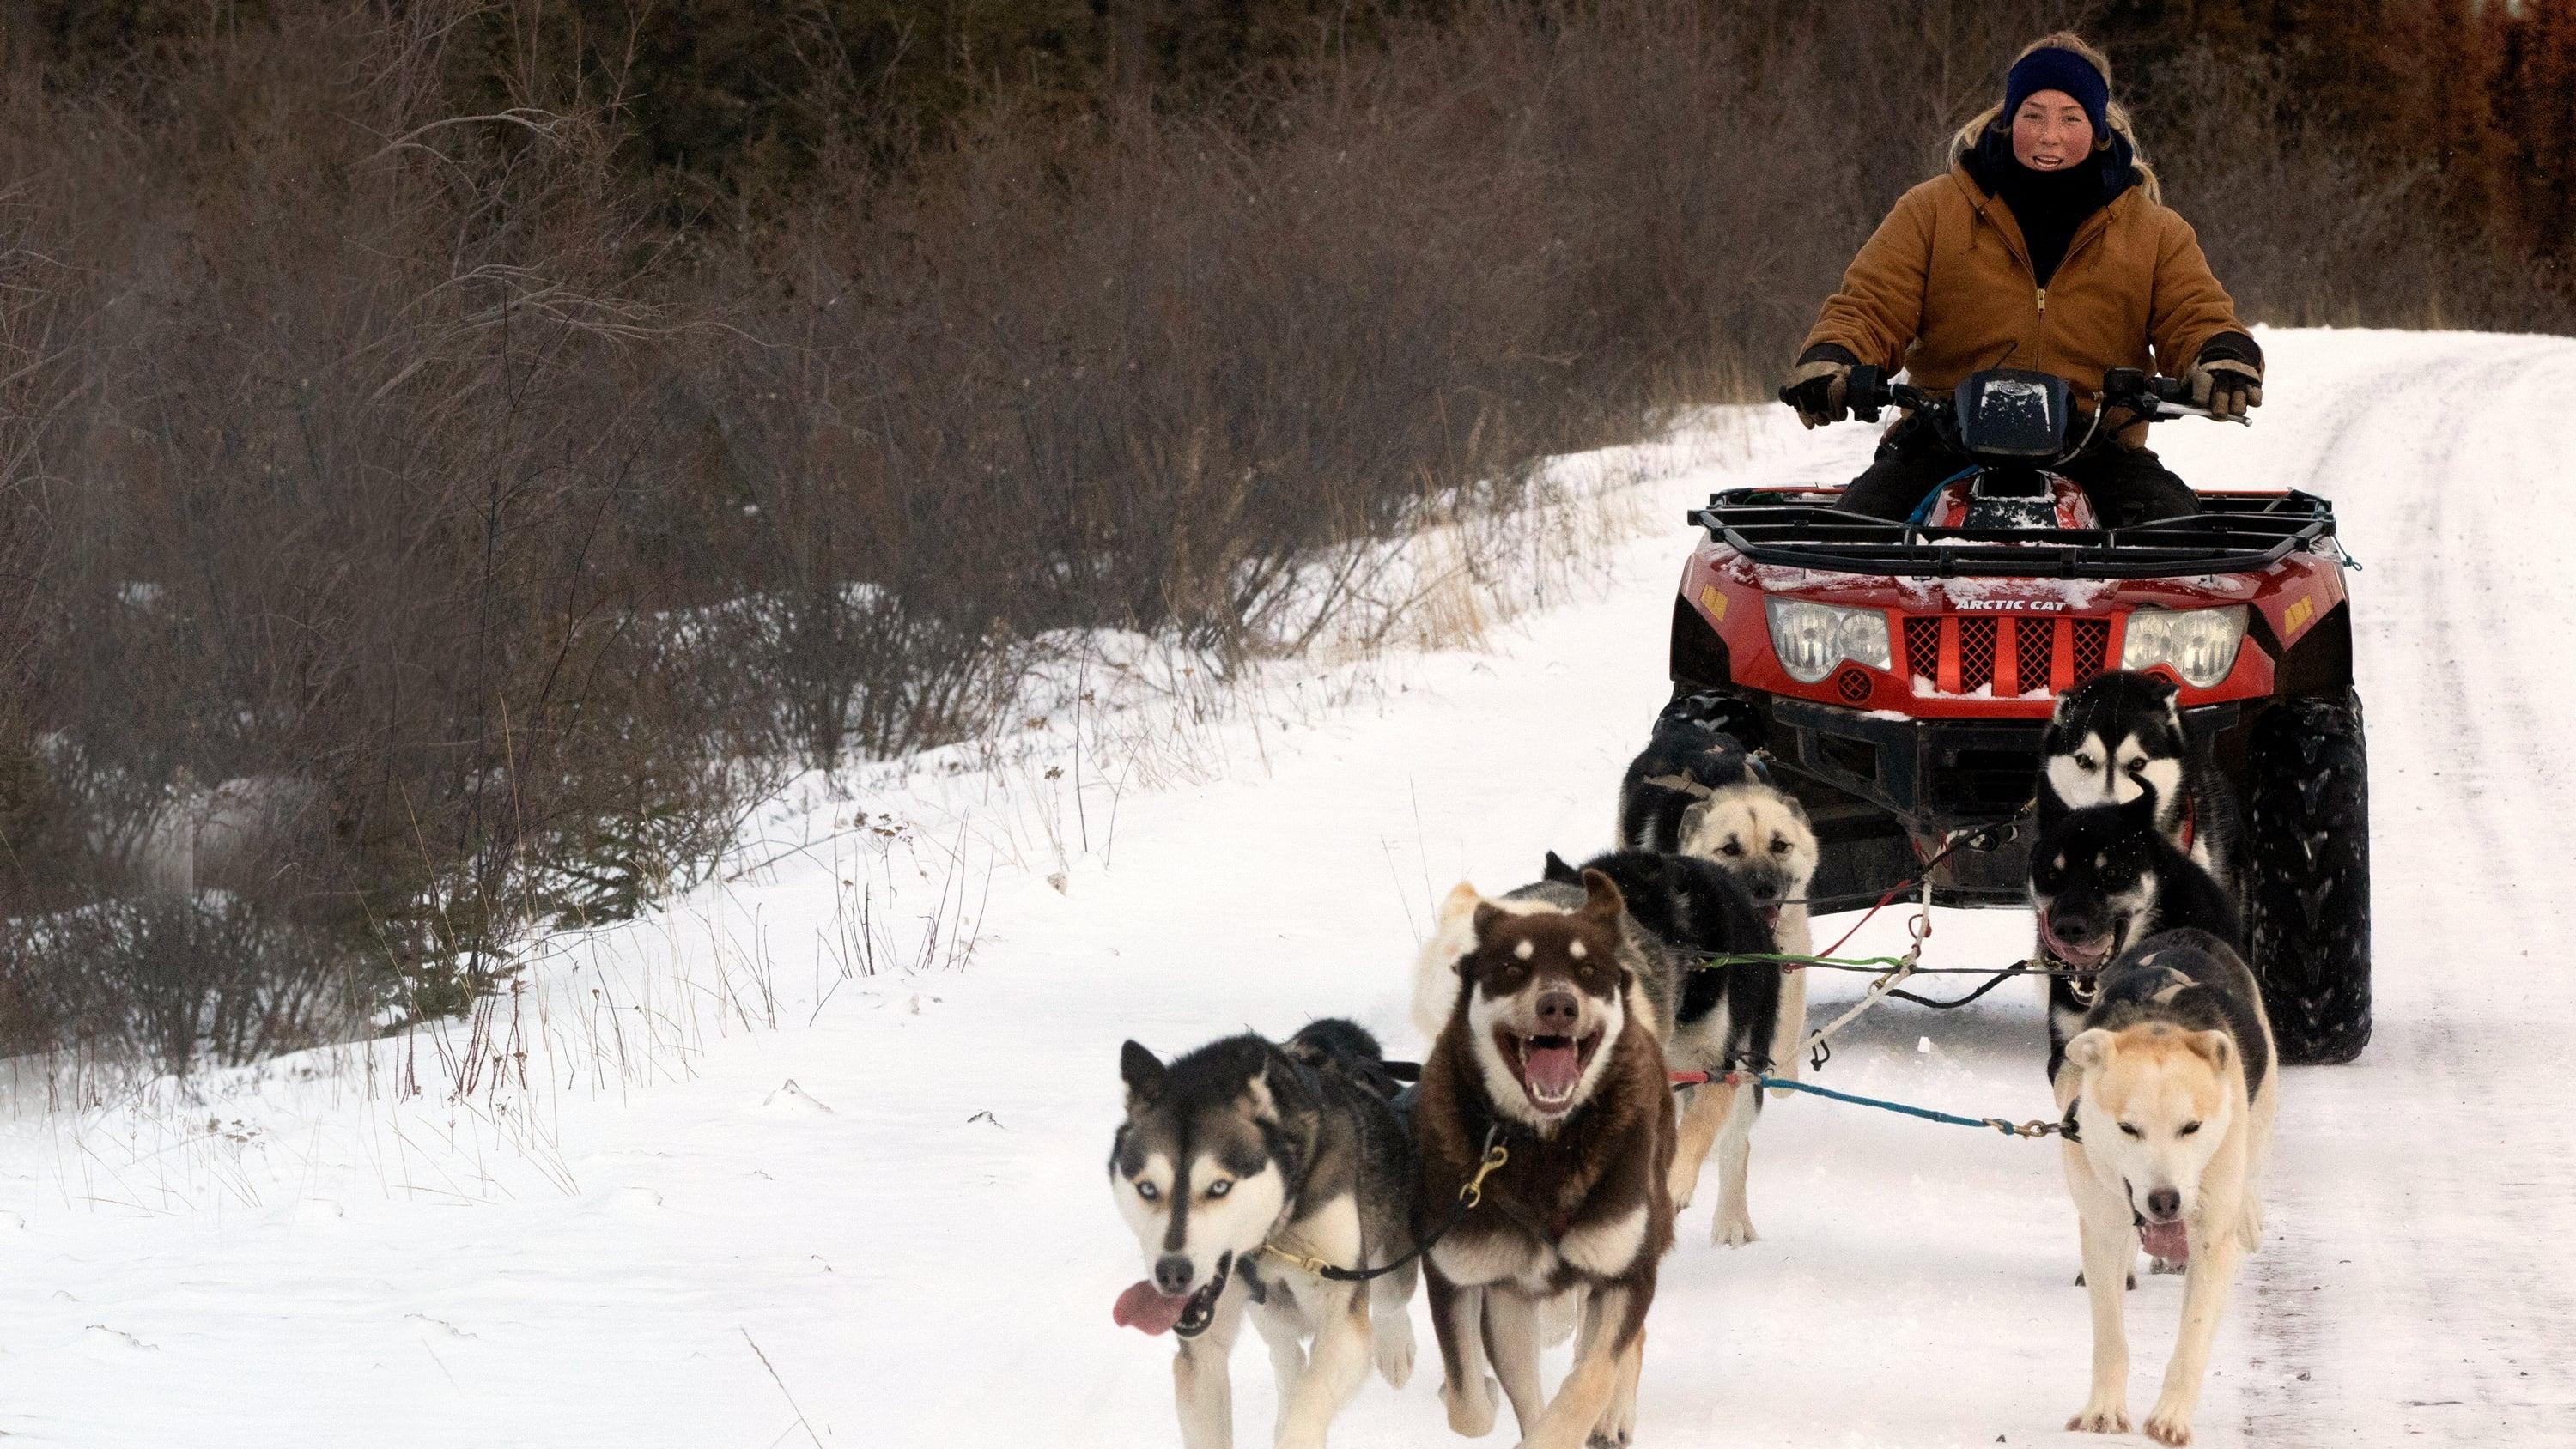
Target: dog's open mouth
point(2087, 954)
point(1771, 917)
point(1145, 1307)
point(1550, 1067)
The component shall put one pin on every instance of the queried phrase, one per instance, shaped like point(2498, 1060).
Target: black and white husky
point(2171, 1091)
point(2103, 878)
point(1715, 1020)
point(1242, 1166)
point(2118, 736)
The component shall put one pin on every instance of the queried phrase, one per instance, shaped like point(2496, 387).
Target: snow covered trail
point(2465, 657)
point(918, 1239)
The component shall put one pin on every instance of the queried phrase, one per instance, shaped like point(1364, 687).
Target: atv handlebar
point(2147, 399)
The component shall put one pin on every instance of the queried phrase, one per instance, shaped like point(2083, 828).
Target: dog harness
point(1469, 1195)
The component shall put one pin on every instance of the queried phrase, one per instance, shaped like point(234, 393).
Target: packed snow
point(816, 1154)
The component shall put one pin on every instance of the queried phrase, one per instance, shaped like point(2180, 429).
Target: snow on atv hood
point(1932, 595)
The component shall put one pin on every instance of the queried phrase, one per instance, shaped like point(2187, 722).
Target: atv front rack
point(2235, 533)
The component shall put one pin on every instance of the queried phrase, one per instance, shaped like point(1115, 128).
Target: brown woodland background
point(454, 455)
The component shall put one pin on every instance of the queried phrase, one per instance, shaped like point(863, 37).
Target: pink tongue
point(2062, 951)
point(1552, 1070)
point(2169, 1241)
point(1141, 1307)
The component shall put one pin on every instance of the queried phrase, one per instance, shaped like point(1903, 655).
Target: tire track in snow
point(2389, 1298)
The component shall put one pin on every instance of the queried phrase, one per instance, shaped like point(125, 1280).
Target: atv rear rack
point(2235, 533)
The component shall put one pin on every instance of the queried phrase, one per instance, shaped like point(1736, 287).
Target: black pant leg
point(1908, 466)
point(2131, 486)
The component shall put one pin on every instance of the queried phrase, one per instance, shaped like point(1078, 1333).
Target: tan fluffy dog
point(2171, 1090)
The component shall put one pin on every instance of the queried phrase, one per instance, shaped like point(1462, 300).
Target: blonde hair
point(2118, 115)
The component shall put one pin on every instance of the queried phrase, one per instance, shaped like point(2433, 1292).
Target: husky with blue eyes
point(1246, 1168)
point(2169, 1094)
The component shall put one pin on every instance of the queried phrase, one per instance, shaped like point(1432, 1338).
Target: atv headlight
point(1812, 638)
point(2200, 644)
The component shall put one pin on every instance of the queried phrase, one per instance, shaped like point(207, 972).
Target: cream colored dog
point(2170, 1091)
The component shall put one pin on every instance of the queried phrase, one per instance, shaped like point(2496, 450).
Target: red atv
point(1902, 674)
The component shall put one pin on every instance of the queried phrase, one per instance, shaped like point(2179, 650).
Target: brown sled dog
point(1550, 1053)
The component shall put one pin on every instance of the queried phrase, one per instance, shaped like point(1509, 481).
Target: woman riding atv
point(2046, 247)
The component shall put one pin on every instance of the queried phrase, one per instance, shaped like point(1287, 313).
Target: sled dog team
point(1535, 1186)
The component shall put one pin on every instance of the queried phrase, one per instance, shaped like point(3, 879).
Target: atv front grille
point(1922, 647)
point(2004, 656)
point(1977, 649)
point(2033, 651)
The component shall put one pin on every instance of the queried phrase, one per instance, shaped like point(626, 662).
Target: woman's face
point(2050, 132)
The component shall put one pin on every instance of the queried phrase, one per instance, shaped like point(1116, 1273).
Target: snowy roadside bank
point(915, 1235)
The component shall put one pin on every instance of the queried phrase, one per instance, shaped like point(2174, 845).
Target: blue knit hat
point(2051, 69)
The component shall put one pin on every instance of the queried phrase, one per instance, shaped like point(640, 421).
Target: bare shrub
point(212, 977)
point(340, 514)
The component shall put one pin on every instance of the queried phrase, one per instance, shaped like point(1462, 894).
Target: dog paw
point(2173, 1429)
point(1732, 1230)
point(1470, 1415)
point(2170, 1421)
point(1618, 1425)
point(2100, 1419)
point(1394, 1346)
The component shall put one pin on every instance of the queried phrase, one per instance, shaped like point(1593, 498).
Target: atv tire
point(2307, 875)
